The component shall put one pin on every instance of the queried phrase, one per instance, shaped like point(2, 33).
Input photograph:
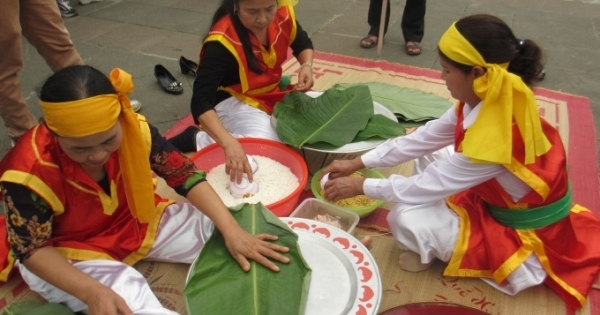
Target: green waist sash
point(533, 218)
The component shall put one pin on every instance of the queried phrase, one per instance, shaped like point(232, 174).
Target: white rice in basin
point(275, 182)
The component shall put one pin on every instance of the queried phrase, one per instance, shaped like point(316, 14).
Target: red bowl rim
point(279, 145)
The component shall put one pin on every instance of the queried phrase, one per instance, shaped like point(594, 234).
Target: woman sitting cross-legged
point(80, 202)
point(239, 77)
point(499, 208)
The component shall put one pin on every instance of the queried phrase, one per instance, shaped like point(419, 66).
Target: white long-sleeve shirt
point(441, 178)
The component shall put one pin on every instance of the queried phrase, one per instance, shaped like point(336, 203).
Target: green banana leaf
point(408, 124)
point(381, 127)
point(35, 308)
point(334, 117)
point(406, 103)
point(218, 285)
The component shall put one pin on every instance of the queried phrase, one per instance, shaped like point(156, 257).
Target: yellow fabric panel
point(150, 236)
point(37, 185)
point(511, 264)
point(4, 273)
point(529, 177)
point(263, 90)
point(246, 99)
point(109, 203)
point(80, 254)
point(577, 209)
point(294, 31)
point(462, 244)
point(530, 239)
point(226, 41)
point(145, 132)
point(36, 150)
point(269, 57)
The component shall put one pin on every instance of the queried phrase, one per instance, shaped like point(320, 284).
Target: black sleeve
point(218, 67)
point(28, 220)
point(178, 171)
point(301, 42)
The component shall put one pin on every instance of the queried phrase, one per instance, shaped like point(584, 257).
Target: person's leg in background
point(13, 108)
point(65, 8)
point(374, 19)
point(46, 31)
point(413, 25)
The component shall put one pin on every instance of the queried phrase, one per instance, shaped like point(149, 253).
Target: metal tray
point(355, 147)
point(345, 277)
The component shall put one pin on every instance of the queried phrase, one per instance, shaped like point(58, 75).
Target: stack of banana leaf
point(345, 113)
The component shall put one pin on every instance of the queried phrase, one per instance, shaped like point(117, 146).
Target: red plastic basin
point(213, 155)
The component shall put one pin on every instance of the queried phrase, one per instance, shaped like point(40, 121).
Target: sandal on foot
point(368, 41)
point(413, 48)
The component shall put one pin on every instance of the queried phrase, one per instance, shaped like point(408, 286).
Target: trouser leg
point(13, 108)
point(431, 231)
point(180, 237)
point(121, 278)
point(242, 121)
point(181, 234)
point(413, 20)
point(45, 30)
point(374, 16)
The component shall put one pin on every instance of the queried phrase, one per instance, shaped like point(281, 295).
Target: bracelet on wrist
point(306, 64)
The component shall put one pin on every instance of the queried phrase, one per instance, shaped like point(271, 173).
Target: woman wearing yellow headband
point(239, 78)
point(500, 206)
point(80, 203)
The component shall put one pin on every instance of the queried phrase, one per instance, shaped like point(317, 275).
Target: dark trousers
point(413, 19)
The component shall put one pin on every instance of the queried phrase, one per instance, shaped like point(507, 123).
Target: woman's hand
point(341, 168)
point(50, 265)
point(343, 187)
point(240, 244)
point(102, 300)
point(244, 246)
point(236, 161)
point(305, 78)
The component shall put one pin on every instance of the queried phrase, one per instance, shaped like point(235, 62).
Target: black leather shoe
point(187, 66)
point(167, 81)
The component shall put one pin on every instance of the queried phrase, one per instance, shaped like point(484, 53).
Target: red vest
point(87, 223)
point(568, 250)
point(258, 90)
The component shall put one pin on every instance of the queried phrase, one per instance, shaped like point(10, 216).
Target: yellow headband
point(505, 97)
point(289, 3)
point(66, 119)
point(97, 114)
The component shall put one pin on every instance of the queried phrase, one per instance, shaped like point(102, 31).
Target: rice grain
point(275, 182)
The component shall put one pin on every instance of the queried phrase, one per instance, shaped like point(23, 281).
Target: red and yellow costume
point(44, 168)
point(564, 248)
point(258, 90)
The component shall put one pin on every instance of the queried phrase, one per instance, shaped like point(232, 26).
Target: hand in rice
point(347, 192)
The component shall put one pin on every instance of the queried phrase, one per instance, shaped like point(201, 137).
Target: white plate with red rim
point(345, 278)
